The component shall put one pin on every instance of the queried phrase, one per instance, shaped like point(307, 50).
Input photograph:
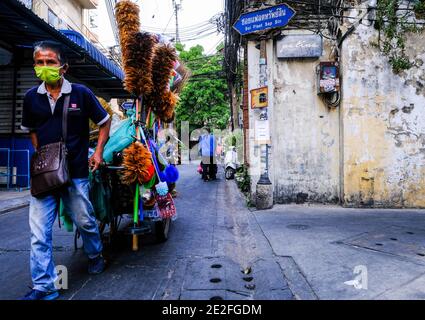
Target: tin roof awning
point(20, 28)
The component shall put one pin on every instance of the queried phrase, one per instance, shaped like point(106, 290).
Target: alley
point(214, 239)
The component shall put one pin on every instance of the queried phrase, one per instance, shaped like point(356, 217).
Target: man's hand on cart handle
point(96, 161)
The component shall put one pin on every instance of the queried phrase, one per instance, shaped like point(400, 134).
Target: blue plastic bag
point(120, 140)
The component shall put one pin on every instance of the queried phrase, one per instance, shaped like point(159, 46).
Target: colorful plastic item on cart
point(120, 140)
point(162, 189)
point(151, 183)
point(166, 206)
point(170, 174)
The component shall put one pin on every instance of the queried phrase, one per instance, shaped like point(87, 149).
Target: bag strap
point(65, 117)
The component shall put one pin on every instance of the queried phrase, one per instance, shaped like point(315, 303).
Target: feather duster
point(127, 15)
point(163, 63)
point(140, 51)
point(162, 100)
point(169, 102)
point(137, 163)
point(128, 21)
point(145, 44)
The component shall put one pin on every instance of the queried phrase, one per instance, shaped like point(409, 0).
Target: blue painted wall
point(17, 159)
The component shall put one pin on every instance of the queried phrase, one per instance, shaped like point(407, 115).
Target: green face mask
point(50, 75)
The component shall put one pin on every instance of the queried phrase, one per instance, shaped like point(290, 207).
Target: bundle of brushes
point(137, 49)
point(163, 100)
point(137, 163)
point(138, 65)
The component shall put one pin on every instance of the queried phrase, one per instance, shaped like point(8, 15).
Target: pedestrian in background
point(207, 148)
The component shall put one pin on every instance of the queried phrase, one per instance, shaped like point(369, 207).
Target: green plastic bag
point(100, 196)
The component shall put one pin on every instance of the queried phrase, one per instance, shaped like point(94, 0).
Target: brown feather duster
point(140, 51)
point(162, 100)
point(163, 63)
point(127, 15)
point(166, 113)
point(146, 43)
point(137, 163)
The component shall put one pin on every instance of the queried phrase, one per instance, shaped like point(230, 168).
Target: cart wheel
point(161, 230)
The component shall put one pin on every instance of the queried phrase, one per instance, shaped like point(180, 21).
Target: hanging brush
point(127, 16)
point(138, 67)
point(128, 21)
point(162, 100)
point(137, 163)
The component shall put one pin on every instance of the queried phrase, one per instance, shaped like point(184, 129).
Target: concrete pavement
point(218, 249)
point(211, 243)
point(387, 248)
point(13, 200)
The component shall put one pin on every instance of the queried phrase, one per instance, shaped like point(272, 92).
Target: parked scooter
point(231, 163)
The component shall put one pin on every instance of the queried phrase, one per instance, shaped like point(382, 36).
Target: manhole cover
point(298, 227)
point(395, 240)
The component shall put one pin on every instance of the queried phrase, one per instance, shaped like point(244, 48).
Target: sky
point(159, 13)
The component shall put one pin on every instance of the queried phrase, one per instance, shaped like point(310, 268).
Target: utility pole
point(177, 5)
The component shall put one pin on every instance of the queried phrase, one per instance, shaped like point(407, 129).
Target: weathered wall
point(384, 125)
point(304, 132)
point(306, 135)
point(370, 151)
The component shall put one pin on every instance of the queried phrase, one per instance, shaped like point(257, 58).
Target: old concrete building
point(368, 149)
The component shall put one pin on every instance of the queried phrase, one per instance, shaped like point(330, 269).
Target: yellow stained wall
point(384, 126)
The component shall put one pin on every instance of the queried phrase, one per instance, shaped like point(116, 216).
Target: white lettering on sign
point(264, 17)
point(299, 45)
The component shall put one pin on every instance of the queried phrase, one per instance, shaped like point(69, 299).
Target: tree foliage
point(204, 100)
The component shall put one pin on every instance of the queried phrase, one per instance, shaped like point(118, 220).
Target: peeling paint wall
point(305, 155)
point(384, 125)
point(305, 136)
point(369, 152)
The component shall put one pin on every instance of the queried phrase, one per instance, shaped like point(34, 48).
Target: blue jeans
point(43, 212)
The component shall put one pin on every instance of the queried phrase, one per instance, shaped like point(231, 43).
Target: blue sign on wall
point(261, 20)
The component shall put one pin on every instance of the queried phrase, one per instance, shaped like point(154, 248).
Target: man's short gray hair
point(54, 46)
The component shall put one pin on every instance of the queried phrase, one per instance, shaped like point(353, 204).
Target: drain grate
point(395, 240)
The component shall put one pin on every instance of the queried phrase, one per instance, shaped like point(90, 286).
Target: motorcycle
point(231, 163)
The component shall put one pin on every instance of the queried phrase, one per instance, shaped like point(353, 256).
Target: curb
point(15, 207)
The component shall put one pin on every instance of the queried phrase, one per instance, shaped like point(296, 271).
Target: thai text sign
point(264, 19)
point(300, 46)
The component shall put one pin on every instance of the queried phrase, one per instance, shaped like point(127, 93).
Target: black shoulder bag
point(49, 164)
